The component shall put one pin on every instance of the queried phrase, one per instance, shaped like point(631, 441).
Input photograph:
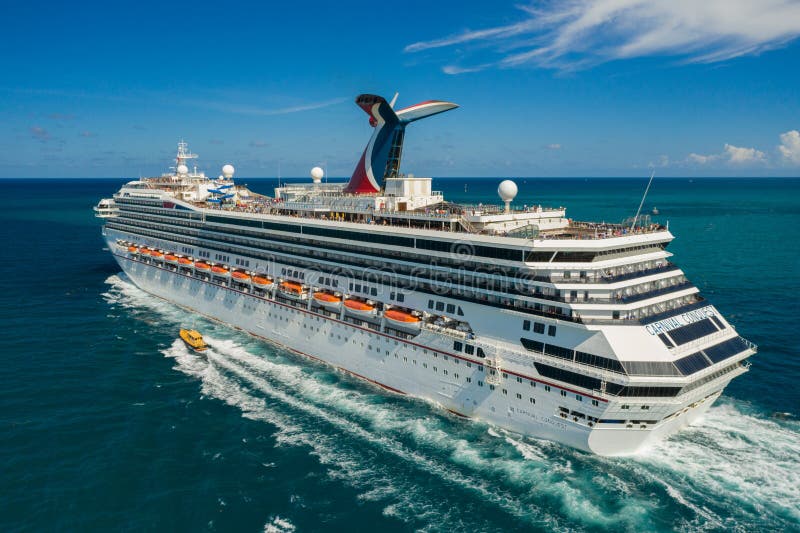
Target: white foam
point(752, 463)
point(279, 525)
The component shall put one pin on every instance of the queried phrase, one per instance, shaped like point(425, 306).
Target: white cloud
point(455, 69)
point(553, 146)
point(260, 111)
point(790, 147)
point(701, 159)
point(581, 33)
point(744, 156)
point(732, 155)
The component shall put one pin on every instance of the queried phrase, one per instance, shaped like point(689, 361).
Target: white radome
point(507, 190)
point(183, 169)
point(317, 174)
point(228, 171)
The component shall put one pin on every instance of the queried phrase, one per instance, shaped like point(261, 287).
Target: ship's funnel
point(381, 157)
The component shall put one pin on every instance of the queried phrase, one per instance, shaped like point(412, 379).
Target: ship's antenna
point(394, 99)
point(638, 211)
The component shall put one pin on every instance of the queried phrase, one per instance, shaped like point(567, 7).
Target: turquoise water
point(107, 422)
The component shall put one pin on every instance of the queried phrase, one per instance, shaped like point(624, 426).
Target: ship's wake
point(735, 470)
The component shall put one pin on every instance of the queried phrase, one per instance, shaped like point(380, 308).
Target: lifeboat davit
point(171, 258)
point(241, 277)
point(184, 261)
point(220, 271)
point(199, 265)
point(261, 281)
point(357, 307)
point(133, 249)
point(327, 299)
point(402, 319)
point(290, 288)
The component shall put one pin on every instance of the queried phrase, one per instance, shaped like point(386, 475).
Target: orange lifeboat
point(357, 307)
point(402, 318)
point(201, 266)
point(156, 254)
point(171, 258)
point(144, 251)
point(327, 299)
point(184, 261)
point(241, 277)
point(262, 281)
point(133, 249)
point(220, 271)
point(290, 288)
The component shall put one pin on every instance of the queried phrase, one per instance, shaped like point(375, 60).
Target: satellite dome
point(227, 171)
point(507, 190)
point(317, 174)
point(183, 169)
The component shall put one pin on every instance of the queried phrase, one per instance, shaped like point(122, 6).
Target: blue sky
point(575, 88)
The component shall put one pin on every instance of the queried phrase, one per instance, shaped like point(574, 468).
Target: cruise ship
point(584, 333)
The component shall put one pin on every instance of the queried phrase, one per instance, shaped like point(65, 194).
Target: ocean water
point(108, 423)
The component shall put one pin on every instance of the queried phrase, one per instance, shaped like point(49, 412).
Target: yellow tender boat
point(193, 340)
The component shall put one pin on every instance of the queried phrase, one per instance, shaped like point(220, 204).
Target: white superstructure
point(582, 333)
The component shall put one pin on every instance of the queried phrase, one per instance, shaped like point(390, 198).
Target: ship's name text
point(684, 319)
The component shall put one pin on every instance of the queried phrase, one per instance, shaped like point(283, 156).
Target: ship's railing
point(612, 278)
point(452, 332)
point(494, 209)
point(598, 230)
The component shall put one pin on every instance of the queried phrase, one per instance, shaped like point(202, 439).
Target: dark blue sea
point(107, 423)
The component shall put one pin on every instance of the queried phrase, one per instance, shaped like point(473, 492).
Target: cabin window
point(551, 331)
point(526, 325)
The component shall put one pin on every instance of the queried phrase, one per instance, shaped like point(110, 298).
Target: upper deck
point(405, 204)
point(458, 218)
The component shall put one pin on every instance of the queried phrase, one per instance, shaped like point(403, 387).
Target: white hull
point(410, 367)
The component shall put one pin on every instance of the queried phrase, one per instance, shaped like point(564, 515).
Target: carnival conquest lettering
point(684, 319)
